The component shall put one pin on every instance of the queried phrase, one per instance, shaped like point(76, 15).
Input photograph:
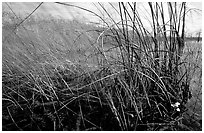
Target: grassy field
point(194, 56)
point(65, 75)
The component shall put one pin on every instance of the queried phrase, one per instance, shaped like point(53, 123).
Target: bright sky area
point(193, 19)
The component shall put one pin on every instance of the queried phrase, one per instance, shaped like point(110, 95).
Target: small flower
point(178, 110)
point(175, 104)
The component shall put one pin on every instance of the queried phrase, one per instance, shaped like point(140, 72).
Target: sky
point(193, 19)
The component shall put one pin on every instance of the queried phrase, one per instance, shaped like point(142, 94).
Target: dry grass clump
point(138, 82)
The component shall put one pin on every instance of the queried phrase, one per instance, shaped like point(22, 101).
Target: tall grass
point(132, 84)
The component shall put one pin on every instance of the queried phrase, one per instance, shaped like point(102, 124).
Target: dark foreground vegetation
point(64, 75)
